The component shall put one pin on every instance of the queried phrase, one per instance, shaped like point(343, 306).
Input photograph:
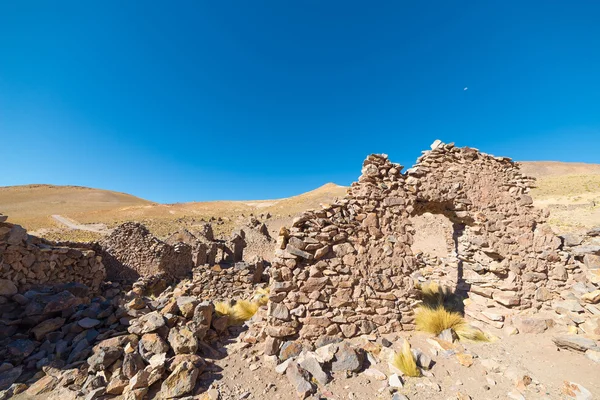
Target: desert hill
point(571, 191)
point(46, 209)
point(33, 205)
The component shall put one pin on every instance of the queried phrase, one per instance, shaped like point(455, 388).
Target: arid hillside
point(571, 191)
point(75, 213)
point(33, 205)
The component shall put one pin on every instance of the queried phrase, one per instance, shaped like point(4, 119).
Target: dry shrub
point(261, 296)
point(469, 332)
point(436, 320)
point(405, 361)
point(435, 295)
point(223, 308)
point(243, 310)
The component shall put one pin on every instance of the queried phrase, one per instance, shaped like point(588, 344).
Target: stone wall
point(349, 269)
point(131, 251)
point(27, 260)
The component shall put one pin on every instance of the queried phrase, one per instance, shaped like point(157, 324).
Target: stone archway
point(346, 269)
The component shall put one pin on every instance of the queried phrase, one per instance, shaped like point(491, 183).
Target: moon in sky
point(466, 88)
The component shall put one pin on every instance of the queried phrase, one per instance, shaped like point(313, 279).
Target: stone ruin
point(27, 260)
point(349, 269)
point(131, 251)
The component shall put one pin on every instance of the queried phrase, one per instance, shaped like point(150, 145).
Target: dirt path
point(98, 228)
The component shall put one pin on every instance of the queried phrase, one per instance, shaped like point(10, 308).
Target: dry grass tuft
point(223, 308)
point(436, 320)
point(405, 361)
point(243, 310)
point(261, 296)
point(471, 333)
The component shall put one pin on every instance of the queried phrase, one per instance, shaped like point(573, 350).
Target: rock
point(47, 326)
point(271, 346)
point(575, 391)
point(21, 348)
point(422, 359)
point(195, 359)
point(568, 305)
point(7, 288)
point(132, 363)
point(152, 343)
point(186, 305)
point(375, 374)
point(147, 323)
point(507, 298)
point(181, 381)
point(448, 335)
point(465, 359)
point(135, 394)
point(279, 311)
point(593, 355)
point(575, 343)
point(592, 297)
point(530, 325)
point(280, 331)
point(44, 385)
point(117, 384)
point(591, 261)
point(8, 377)
point(182, 340)
point(543, 294)
point(104, 358)
point(281, 368)
point(515, 395)
point(300, 379)
point(96, 393)
point(491, 365)
point(88, 323)
point(311, 365)
point(347, 358)
point(395, 381)
point(139, 380)
point(59, 302)
point(290, 349)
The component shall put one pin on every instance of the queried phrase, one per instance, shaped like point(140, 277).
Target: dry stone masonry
point(131, 251)
point(348, 269)
point(27, 260)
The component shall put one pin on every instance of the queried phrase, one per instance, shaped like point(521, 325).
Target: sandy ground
point(517, 356)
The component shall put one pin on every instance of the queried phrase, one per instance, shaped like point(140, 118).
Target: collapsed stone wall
point(131, 251)
point(27, 260)
point(207, 250)
point(228, 281)
point(349, 269)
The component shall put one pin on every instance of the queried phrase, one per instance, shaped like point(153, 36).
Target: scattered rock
point(575, 343)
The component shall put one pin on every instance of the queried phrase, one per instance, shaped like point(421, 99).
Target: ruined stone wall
point(348, 269)
point(131, 251)
point(27, 260)
point(228, 281)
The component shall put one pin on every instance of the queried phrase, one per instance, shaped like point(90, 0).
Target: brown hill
point(34, 206)
point(571, 191)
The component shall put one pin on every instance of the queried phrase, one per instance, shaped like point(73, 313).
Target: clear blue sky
point(203, 100)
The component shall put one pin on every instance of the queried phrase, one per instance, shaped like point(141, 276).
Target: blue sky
point(197, 100)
